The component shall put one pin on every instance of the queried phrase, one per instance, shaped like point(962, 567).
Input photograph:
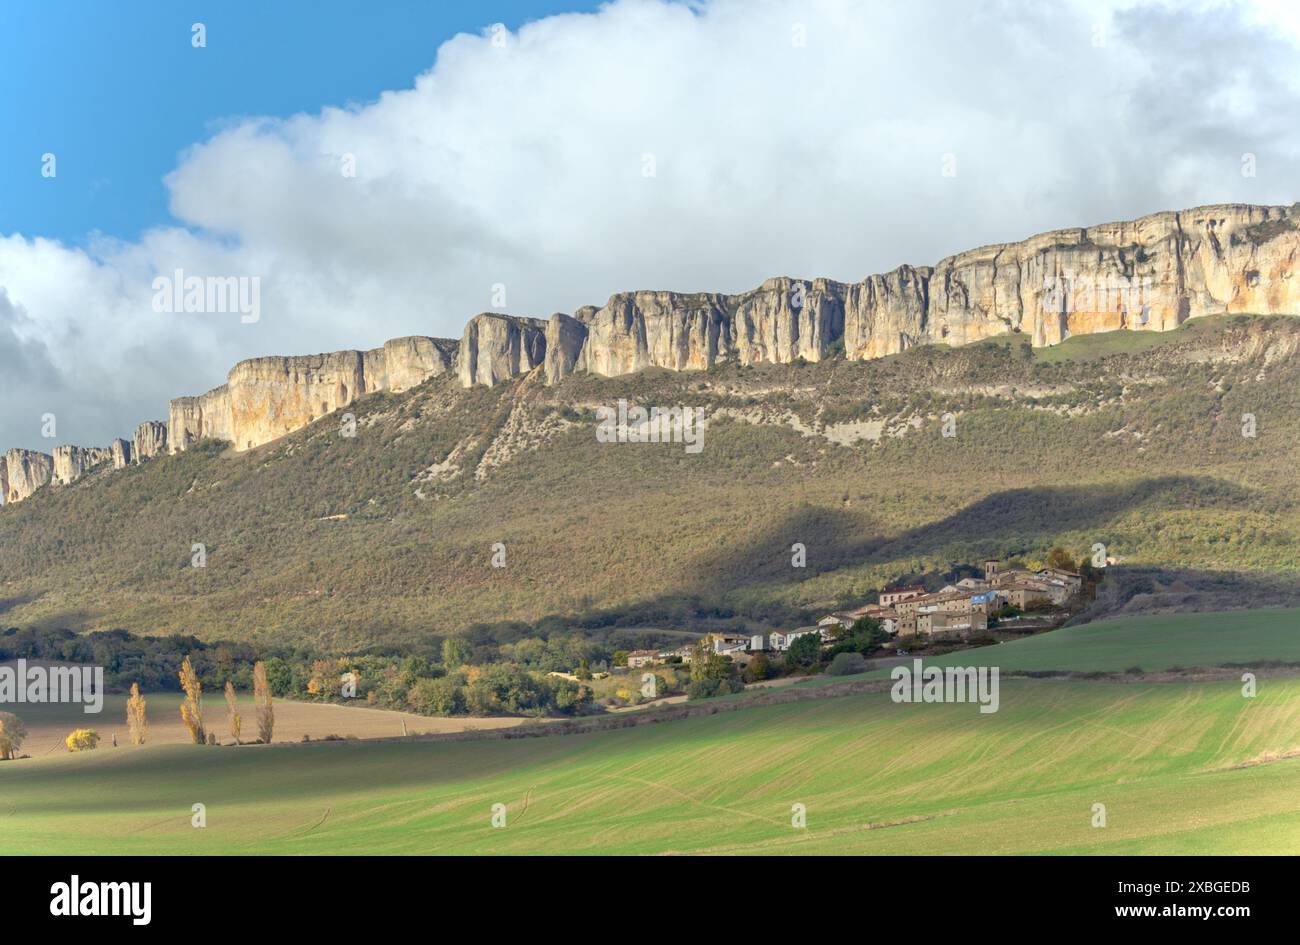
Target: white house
point(782, 639)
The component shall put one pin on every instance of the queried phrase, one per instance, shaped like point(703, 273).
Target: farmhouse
point(951, 624)
point(891, 596)
point(885, 616)
point(844, 619)
point(782, 640)
point(638, 658)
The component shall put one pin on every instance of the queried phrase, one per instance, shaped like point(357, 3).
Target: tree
point(760, 667)
point(324, 679)
point(706, 664)
point(279, 675)
point(805, 650)
point(443, 696)
point(262, 703)
point(83, 739)
point(192, 704)
point(864, 636)
point(12, 734)
point(455, 652)
point(232, 716)
point(135, 717)
point(1060, 558)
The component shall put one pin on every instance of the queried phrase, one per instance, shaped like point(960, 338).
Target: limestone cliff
point(121, 453)
point(73, 462)
point(498, 347)
point(1150, 274)
point(193, 418)
point(265, 398)
point(150, 440)
point(25, 472)
point(565, 338)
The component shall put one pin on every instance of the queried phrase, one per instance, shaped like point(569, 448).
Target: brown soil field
point(49, 725)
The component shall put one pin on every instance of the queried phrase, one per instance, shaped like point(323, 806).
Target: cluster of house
point(955, 611)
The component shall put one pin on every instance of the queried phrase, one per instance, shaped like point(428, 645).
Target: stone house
point(638, 658)
point(891, 596)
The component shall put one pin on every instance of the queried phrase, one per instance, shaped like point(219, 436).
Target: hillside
point(1134, 440)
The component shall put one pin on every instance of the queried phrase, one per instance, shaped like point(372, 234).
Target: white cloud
point(523, 165)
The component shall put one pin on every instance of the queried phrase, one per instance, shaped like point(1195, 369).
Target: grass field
point(875, 778)
point(1182, 767)
point(1160, 642)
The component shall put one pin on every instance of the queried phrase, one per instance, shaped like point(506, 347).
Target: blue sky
point(116, 90)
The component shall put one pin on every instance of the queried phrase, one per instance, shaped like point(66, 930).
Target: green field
point(941, 778)
point(1161, 642)
point(1182, 767)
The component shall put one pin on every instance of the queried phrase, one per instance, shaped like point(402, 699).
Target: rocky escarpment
point(565, 339)
point(497, 347)
point(25, 472)
point(1150, 274)
point(265, 398)
point(150, 440)
point(73, 462)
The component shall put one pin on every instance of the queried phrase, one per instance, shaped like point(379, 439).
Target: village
point(1015, 599)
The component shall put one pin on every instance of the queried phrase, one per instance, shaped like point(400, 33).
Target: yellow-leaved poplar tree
point(192, 704)
point(232, 715)
point(262, 702)
point(135, 718)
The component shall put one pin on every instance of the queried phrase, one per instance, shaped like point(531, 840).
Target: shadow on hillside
point(17, 600)
point(736, 582)
point(1132, 591)
point(998, 524)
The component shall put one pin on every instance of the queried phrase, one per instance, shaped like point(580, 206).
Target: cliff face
point(497, 347)
point(1150, 274)
point(73, 462)
point(150, 440)
point(121, 453)
point(565, 338)
point(193, 418)
point(265, 398)
point(25, 472)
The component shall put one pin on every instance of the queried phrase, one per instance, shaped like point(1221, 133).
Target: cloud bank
point(651, 145)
